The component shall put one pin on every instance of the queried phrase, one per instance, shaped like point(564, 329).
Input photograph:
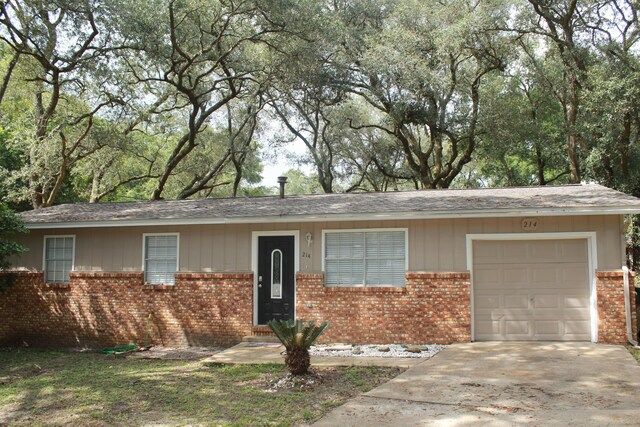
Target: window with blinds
point(160, 258)
point(58, 258)
point(365, 258)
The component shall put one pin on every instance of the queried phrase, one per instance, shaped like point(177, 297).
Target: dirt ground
point(169, 353)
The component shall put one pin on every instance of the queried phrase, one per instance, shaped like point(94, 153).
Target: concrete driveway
point(503, 384)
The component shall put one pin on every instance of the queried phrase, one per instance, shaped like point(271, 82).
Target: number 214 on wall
point(529, 224)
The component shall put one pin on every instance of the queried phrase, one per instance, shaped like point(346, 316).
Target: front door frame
point(592, 255)
point(254, 265)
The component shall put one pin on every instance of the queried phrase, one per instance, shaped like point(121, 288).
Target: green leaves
point(10, 225)
point(298, 333)
point(119, 100)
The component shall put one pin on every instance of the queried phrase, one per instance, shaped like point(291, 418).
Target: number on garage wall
point(530, 224)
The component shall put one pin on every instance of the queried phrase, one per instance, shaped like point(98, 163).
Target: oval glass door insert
point(276, 274)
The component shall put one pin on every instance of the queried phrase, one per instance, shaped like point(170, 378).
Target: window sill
point(150, 287)
point(57, 286)
point(368, 289)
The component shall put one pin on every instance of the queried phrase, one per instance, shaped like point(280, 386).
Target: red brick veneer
point(612, 320)
point(98, 309)
point(431, 308)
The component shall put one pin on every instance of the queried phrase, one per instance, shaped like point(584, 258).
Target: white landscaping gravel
point(372, 350)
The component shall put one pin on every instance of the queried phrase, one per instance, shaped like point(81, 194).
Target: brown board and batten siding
point(433, 244)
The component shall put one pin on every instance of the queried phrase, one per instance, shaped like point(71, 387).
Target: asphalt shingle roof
point(475, 202)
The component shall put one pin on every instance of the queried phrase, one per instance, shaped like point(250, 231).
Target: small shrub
point(297, 336)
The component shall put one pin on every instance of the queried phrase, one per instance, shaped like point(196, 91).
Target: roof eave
point(493, 213)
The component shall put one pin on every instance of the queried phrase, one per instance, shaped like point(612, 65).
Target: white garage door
point(531, 290)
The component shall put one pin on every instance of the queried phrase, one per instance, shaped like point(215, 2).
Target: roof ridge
point(505, 201)
point(358, 193)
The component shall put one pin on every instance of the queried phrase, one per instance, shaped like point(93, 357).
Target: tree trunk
point(298, 360)
point(540, 166)
point(623, 147)
point(573, 139)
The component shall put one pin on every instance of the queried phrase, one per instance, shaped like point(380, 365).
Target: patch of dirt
point(22, 375)
point(293, 382)
point(169, 353)
point(320, 380)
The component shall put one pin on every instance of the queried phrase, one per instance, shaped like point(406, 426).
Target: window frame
point(44, 253)
point(144, 256)
point(405, 230)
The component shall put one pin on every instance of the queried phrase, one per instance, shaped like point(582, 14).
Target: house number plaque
point(530, 224)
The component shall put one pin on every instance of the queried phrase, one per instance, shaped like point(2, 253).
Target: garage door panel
point(486, 274)
point(517, 327)
point(516, 301)
point(533, 290)
point(543, 250)
point(513, 275)
point(559, 315)
point(539, 249)
point(574, 286)
point(523, 276)
point(575, 301)
point(572, 250)
point(547, 327)
point(510, 253)
point(546, 301)
point(514, 252)
point(575, 273)
point(578, 327)
point(488, 302)
point(525, 299)
point(489, 253)
point(488, 327)
point(522, 330)
point(497, 250)
point(535, 286)
point(541, 275)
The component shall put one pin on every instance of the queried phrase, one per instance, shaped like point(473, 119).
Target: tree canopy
point(104, 101)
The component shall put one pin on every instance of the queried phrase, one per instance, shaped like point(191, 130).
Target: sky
point(277, 161)
point(272, 171)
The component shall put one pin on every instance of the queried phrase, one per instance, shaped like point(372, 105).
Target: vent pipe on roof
point(282, 180)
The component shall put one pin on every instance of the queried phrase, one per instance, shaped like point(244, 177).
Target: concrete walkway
point(504, 384)
point(250, 353)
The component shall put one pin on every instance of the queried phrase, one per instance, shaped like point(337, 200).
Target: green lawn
point(59, 387)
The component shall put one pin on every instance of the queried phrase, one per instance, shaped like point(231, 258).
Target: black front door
point(276, 277)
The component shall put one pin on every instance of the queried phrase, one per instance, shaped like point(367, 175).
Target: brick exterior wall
point(612, 320)
point(431, 308)
point(99, 309)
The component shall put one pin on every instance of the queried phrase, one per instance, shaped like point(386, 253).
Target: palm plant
point(297, 336)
